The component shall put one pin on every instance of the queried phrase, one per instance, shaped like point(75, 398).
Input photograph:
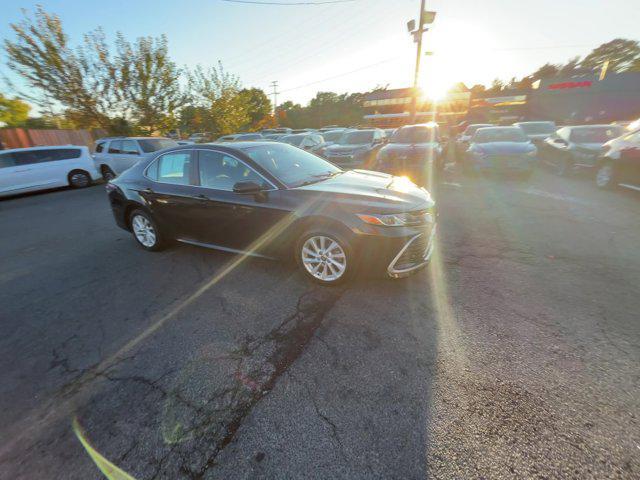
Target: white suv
point(114, 155)
point(39, 168)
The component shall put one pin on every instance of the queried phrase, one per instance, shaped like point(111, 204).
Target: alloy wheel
point(79, 180)
point(143, 230)
point(324, 258)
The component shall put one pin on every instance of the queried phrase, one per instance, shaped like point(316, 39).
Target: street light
point(426, 18)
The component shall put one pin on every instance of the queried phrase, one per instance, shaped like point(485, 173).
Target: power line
point(254, 2)
point(339, 75)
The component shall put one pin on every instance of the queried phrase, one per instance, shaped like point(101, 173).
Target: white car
point(39, 168)
point(114, 155)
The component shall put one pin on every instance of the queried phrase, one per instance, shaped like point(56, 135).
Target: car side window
point(31, 157)
point(129, 147)
point(221, 172)
point(174, 167)
point(115, 146)
point(7, 160)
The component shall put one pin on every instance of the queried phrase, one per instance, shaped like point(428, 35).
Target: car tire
point(325, 256)
point(145, 231)
point(605, 176)
point(107, 173)
point(79, 179)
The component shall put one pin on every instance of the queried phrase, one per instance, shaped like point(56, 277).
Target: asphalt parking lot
point(514, 355)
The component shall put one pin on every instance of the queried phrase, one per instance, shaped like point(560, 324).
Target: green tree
point(13, 112)
point(622, 55)
point(217, 93)
point(138, 85)
point(258, 106)
point(545, 71)
point(149, 82)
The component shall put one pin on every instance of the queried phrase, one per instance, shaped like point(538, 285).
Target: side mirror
point(247, 188)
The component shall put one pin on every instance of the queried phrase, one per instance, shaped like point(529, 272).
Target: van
point(40, 168)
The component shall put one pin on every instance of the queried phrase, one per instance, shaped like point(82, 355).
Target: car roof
point(41, 147)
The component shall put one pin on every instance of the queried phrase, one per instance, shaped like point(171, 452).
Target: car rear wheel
point(107, 173)
point(79, 179)
point(605, 176)
point(325, 257)
point(146, 231)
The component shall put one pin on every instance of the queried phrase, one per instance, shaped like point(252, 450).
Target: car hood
point(408, 148)
point(502, 148)
point(372, 191)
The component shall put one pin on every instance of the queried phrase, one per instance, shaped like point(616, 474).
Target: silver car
point(114, 155)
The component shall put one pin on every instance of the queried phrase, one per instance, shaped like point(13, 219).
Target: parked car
point(240, 137)
point(306, 141)
point(356, 148)
point(413, 151)
point(330, 137)
point(185, 142)
point(331, 128)
point(462, 141)
point(40, 168)
point(114, 155)
point(228, 138)
point(537, 132)
point(619, 162)
point(274, 136)
point(272, 199)
point(200, 137)
point(500, 149)
point(577, 147)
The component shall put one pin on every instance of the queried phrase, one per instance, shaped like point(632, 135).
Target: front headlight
point(398, 219)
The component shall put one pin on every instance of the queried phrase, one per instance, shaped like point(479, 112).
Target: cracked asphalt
point(516, 354)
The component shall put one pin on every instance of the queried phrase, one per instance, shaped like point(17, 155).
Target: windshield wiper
point(319, 177)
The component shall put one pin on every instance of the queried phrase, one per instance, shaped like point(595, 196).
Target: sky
point(355, 45)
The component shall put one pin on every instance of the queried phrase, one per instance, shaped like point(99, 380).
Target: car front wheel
point(145, 231)
point(324, 257)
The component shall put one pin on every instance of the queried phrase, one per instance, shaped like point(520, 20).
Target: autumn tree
point(13, 111)
point(622, 55)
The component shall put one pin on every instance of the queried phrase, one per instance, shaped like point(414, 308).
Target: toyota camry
point(274, 200)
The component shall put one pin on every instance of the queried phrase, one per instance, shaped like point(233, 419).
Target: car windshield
point(149, 145)
point(332, 136)
point(595, 134)
point(538, 128)
point(509, 134)
point(292, 166)
point(356, 138)
point(415, 135)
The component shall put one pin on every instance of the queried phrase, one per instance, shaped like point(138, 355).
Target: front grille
point(414, 254)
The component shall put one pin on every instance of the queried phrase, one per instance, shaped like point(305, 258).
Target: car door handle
point(202, 198)
point(23, 170)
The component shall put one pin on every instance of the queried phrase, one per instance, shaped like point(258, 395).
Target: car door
point(10, 177)
point(169, 191)
point(39, 168)
point(229, 219)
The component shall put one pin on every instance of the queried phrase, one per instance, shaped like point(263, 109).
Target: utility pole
point(424, 18)
point(274, 85)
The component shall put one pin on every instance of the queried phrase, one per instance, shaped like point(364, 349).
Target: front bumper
point(415, 254)
point(504, 163)
point(395, 251)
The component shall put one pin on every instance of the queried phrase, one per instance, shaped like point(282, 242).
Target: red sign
point(564, 85)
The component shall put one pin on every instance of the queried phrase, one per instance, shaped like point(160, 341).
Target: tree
point(622, 55)
point(217, 93)
point(149, 82)
point(258, 106)
point(545, 71)
point(139, 85)
point(13, 112)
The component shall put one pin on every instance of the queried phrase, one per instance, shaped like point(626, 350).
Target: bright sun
point(460, 50)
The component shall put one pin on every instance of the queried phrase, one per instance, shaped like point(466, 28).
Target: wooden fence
point(22, 137)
